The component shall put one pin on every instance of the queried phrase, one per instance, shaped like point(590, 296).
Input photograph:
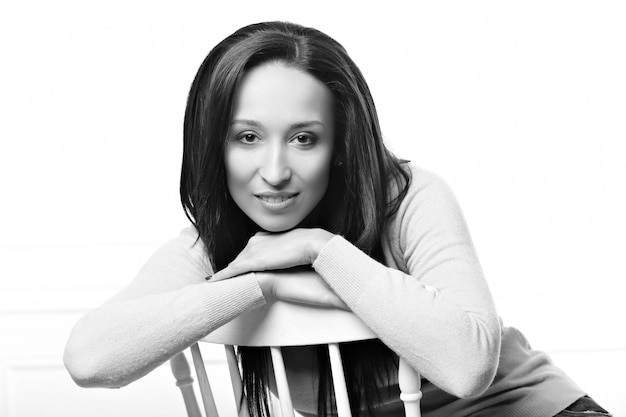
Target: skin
point(280, 145)
point(278, 158)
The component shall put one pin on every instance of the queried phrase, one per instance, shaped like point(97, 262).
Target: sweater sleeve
point(433, 307)
point(166, 308)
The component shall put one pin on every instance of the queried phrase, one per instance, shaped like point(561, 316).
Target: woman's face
point(280, 145)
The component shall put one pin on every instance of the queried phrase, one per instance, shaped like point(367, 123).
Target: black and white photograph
point(350, 209)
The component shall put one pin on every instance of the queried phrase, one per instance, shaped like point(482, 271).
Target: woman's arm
point(429, 302)
point(432, 306)
point(167, 307)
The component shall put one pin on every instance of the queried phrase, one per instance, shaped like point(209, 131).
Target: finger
point(215, 277)
point(225, 273)
point(332, 300)
point(238, 268)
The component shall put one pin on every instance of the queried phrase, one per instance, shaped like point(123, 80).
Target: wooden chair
point(287, 324)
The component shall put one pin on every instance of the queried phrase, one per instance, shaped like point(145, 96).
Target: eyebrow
point(298, 125)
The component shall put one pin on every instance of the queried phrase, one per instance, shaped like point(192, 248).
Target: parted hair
point(363, 192)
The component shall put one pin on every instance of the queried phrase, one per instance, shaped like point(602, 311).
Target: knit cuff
point(345, 268)
point(233, 300)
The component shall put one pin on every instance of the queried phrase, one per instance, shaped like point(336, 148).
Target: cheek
point(318, 174)
point(236, 173)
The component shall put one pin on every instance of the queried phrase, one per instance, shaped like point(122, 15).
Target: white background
point(520, 106)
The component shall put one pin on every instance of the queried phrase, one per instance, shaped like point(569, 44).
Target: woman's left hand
point(271, 251)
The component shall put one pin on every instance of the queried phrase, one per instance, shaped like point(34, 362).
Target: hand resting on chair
point(303, 286)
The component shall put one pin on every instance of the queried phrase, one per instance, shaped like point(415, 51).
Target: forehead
point(275, 90)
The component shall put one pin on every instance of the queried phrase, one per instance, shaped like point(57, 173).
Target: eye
point(303, 139)
point(248, 138)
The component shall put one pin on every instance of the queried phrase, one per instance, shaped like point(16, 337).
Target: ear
point(338, 159)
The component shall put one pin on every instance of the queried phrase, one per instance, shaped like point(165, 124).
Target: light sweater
point(429, 302)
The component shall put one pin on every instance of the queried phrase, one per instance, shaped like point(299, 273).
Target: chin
point(277, 227)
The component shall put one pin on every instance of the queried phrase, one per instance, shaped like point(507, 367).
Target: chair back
point(280, 324)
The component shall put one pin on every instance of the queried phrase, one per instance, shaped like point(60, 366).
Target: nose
point(275, 169)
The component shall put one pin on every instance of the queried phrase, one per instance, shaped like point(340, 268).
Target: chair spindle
point(339, 381)
point(235, 377)
point(282, 386)
point(410, 389)
point(184, 381)
point(203, 380)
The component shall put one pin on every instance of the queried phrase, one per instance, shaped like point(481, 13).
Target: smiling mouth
point(276, 201)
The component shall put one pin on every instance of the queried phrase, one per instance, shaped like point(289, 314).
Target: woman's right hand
point(303, 286)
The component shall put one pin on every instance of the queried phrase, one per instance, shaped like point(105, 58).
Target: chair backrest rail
point(280, 324)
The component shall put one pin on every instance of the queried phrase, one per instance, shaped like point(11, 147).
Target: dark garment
point(584, 407)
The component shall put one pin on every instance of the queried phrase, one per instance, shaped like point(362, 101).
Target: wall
point(518, 106)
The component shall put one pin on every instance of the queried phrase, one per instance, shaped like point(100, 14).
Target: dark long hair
point(362, 193)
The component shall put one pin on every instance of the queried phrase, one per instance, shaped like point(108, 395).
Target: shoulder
point(189, 241)
point(185, 252)
point(425, 188)
point(429, 202)
point(176, 264)
point(189, 238)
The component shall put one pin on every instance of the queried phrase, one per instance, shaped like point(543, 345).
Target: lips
point(276, 200)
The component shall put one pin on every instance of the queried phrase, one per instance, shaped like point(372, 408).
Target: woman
point(284, 168)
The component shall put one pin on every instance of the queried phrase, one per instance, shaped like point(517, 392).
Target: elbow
point(475, 382)
point(465, 377)
point(476, 372)
point(480, 375)
point(82, 376)
point(87, 370)
point(94, 361)
point(79, 369)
